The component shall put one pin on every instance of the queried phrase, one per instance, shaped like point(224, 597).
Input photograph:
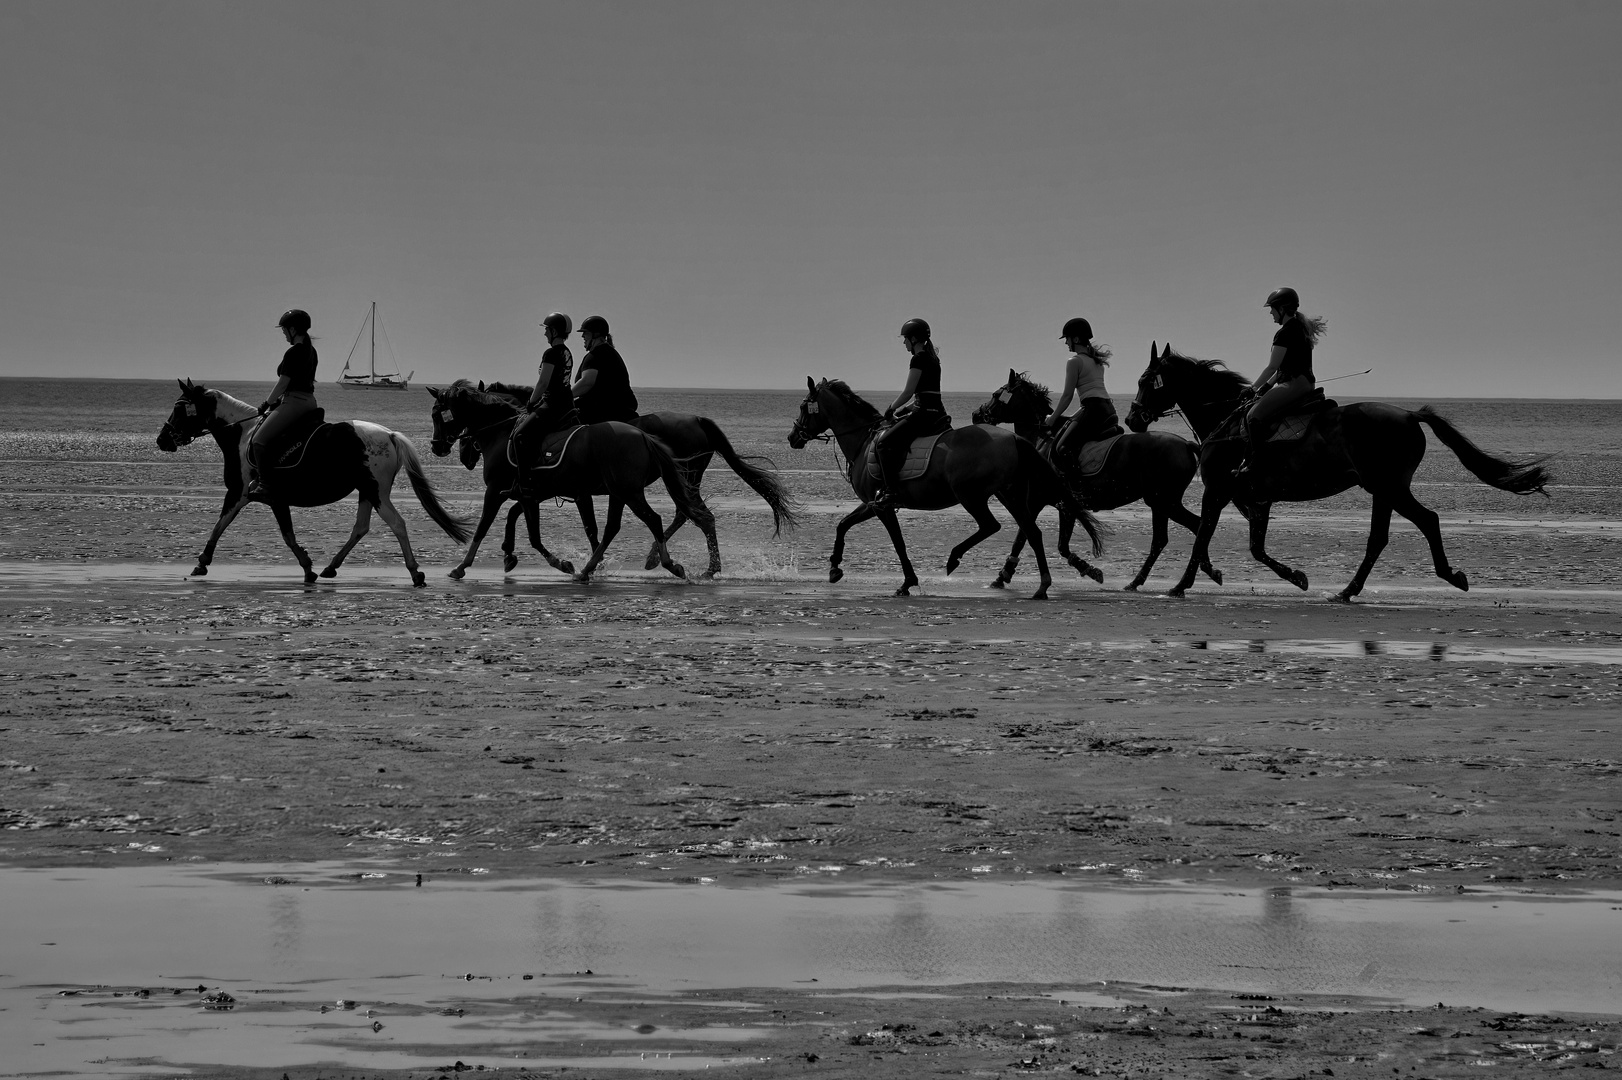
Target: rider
point(1288, 377)
point(551, 407)
point(1095, 416)
point(293, 396)
point(925, 414)
point(602, 390)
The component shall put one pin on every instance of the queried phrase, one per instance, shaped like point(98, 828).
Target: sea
point(82, 479)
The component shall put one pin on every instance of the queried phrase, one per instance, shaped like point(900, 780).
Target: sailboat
point(372, 380)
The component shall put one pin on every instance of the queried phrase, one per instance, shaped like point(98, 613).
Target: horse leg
point(1157, 543)
point(892, 525)
point(610, 530)
point(988, 526)
point(284, 521)
point(509, 539)
point(487, 515)
point(1010, 564)
point(855, 517)
point(650, 517)
point(1431, 525)
point(1379, 532)
point(1033, 534)
point(1210, 513)
point(1067, 528)
point(228, 514)
point(1187, 519)
point(659, 542)
point(363, 524)
point(532, 521)
point(713, 542)
point(397, 525)
point(1258, 548)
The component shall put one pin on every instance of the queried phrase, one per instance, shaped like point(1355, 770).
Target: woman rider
point(1288, 377)
point(551, 406)
point(925, 415)
point(1095, 416)
point(602, 390)
point(293, 396)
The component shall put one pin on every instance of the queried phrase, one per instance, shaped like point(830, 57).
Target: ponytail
point(1101, 353)
point(1316, 326)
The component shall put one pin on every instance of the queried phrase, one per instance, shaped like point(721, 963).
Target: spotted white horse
point(339, 458)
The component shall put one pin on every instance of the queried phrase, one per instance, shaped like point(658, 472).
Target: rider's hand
point(889, 415)
point(264, 407)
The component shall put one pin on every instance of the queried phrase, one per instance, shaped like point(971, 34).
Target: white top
point(1090, 382)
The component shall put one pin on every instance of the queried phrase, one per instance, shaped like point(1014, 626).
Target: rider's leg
point(1259, 421)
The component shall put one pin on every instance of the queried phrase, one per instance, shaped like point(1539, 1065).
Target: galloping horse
point(693, 439)
point(1372, 445)
point(341, 457)
point(968, 466)
point(1155, 466)
point(612, 459)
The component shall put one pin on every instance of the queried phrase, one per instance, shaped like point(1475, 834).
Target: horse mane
point(516, 391)
point(1211, 371)
point(841, 390)
point(1024, 384)
point(492, 394)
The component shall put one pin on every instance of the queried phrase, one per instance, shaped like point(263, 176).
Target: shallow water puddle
point(102, 968)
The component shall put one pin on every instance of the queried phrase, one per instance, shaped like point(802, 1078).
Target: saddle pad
point(555, 445)
point(1296, 425)
point(293, 456)
point(1094, 455)
point(917, 461)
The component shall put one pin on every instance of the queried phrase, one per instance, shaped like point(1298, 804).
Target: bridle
point(215, 425)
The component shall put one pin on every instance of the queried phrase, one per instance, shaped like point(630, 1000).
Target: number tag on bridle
point(813, 408)
point(1156, 383)
point(997, 396)
point(189, 409)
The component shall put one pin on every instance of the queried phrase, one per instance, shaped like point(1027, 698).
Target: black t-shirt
point(298, 364)
point(610, 396)
point(562, 361)
point(1297, 344)
point(928, 392)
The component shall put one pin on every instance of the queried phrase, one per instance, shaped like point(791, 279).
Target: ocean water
point(81, 477)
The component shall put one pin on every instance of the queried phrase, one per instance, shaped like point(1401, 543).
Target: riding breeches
point(894, 440)
point(1275, 403)
point(294, 406)
point(533, 428)
point(1095, 419)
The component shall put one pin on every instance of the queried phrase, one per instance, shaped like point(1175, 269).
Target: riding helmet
point(594, 324)
point(1285, 298)
point(296, 319)
point(1077, 328)
point(559, 323)
point(915, 330)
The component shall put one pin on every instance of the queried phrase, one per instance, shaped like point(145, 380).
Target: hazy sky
point(754, 192)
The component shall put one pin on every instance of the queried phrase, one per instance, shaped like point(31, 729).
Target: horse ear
point(810, 384)
point(481, 385)
point(433, 392)
point(1012, 375)
point(182, 386)
point(1152, 354)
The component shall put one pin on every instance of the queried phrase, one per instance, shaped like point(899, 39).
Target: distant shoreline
point(784, 389)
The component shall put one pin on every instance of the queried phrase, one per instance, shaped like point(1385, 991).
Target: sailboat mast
point(374, 339)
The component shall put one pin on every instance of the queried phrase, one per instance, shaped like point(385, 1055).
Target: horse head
point(1018, 400)
point(812, 421)
point(191, 417)
point(447, 425)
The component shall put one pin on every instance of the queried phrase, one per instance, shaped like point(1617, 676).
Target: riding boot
point(253, 487)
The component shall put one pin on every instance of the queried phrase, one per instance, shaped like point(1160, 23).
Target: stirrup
point(884, 499)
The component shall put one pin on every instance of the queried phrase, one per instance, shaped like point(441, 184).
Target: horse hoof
point(1130, 588)
point(997, 583)
point(708, 575)
point(677, 569)
point(834, 574)
point(1177, 593)
point(584, 579)
point(1299, 580)
point(1214, 574)
point(330, 572)
point(952, 564)
point(1040, 594)
point(563, 564)
point(511, 561)
point(652, 563)
point(309, 577)
point(1096, 574)
point(1459, 581)
point(199, 570)
point(903, 590)
point(456, 573)
point(419, 579)
point(1343, 597)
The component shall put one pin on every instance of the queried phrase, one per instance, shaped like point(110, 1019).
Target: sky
point(755, 192)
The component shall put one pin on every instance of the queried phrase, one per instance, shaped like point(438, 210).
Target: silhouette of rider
point(290, 400)
point(1288, 377)
point(1095, 416)
point(918, 410)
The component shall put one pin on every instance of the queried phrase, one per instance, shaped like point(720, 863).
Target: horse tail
point(1520, 477)
point(683, 492)
point(766, 484)
point(1055, 492)
point(458, 529)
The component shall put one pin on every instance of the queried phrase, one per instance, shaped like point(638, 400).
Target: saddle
point(553, 447)
point(290, 454)
point(918, 452)
point(1295, 423)
point(1093, 456)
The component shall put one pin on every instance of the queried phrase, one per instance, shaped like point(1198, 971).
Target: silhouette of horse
point(1155, 466)
point(968, 466)
point(1369, 444)
point(693, 439)
point(611, 458)
point(337, 458)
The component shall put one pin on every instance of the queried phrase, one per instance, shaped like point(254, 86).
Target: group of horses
point(1371, 445)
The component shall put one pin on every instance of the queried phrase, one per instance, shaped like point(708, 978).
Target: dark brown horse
point(1155, 466)
point(610, 459)
point(1370, 445)
point(695, 440)
point(968, 467)
point(339, 458)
